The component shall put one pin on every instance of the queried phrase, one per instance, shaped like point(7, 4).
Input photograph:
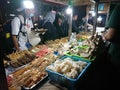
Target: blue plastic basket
point(66, 81)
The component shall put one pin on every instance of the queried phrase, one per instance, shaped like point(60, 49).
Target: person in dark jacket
point(75, 28)
point(51, 33)
point(65, 25)
point(113, 35)
point(59, 26)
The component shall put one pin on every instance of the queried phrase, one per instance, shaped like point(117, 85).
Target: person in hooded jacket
point(75, 27)
point(51, 33)
point(59, 25)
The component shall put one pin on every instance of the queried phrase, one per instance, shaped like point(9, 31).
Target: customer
point(20, 37)
point(65, 25)
point(75, 27)
point(51, 33)
point(87, 22)
point(90, 22)
point(59, 25)
point(113, 35)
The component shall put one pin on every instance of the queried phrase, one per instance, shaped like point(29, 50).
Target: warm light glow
point(99, 19)
point(35, 24)
point(12, 15)
point(8, 2)
point(69, 10)
point(93, 13)
point(28, 4)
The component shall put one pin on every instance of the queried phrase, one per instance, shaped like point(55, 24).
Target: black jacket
point(51, 33)
point(75, 28)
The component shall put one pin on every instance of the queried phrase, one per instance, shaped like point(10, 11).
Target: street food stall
point(67, 63)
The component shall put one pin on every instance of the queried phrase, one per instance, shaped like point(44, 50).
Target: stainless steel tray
point(30, 88)
point(9, 70)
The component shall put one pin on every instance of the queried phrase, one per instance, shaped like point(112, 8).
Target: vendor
point(21, 26)
point(90, 22)
point(113, 35)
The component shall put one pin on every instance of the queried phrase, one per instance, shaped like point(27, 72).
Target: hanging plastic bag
point(34, 38)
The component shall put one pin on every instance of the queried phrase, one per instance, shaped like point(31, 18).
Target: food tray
point(9, 70)
point(81, 39)
point(40, 30)
point(75, 55)
point(43, 52)
point(32, 87)
point(66, 81)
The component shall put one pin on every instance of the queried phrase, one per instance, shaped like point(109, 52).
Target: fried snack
point(17, 55)
point(19, 72)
